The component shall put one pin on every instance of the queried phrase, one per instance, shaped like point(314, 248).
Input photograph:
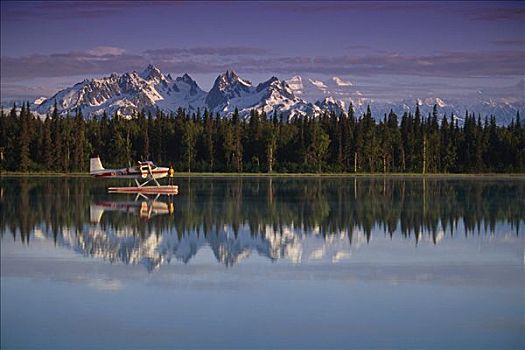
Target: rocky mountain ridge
point(150, 89)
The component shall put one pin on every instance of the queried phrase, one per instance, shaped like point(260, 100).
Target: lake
point(264, 262)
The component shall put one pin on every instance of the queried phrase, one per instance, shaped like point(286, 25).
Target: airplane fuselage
point(146, 171)
point(131, 173)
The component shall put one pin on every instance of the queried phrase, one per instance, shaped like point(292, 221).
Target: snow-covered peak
point(295, 84)
point(273, 81)
point(231, 78)
point(431, 101)
point(151, 73)
point(309, 88)
point(39, 101)
point(193, 88)
point(318, 83)
point(186, 79)
point(440, 102)
point(329, 99)
point(332, 105)
point(226, 87)
point(340, 82)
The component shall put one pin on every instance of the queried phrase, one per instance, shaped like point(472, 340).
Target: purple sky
point(389, 50)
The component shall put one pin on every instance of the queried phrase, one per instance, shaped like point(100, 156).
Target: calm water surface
point(264, 263)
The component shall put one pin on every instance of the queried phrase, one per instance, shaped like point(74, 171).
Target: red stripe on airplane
point(114, 173)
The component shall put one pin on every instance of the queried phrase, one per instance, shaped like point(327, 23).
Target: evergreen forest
point(201, 142)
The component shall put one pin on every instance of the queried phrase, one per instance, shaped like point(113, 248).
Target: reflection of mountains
point(152, 251)
point(292, 218)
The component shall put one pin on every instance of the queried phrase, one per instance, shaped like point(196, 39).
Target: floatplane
point(146, 171)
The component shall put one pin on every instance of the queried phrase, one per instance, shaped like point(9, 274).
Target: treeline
point(199, 141)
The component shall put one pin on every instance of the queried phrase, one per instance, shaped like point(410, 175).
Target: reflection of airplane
point(145, 209)
point(143, 170)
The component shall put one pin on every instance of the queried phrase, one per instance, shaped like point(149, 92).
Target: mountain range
point(150, 89)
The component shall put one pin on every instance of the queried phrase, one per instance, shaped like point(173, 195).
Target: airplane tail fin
point(95, 165)
point(95, 213)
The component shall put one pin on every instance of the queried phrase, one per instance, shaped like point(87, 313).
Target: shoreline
point(336, 175)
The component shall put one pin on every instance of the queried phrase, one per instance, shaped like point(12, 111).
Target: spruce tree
point(79, 145)
point(47, 144)
point(319, 146)
point(237, 141)
point(24, 140)
point(209, 140)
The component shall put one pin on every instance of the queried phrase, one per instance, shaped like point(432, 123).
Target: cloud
point(20, 11)
point(107, 59)
point(94, 61)
point(497, 14)
point(70, 10)
point(445, 64)
point(361, 48)
point(22, 91)
point(510, 42)
point(104, 60)
point(338, 6)
point(481, 11)
point(206, 51)
point(105, 51)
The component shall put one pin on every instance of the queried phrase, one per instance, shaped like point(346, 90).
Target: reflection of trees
point(414, 206)
point(55, 204)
